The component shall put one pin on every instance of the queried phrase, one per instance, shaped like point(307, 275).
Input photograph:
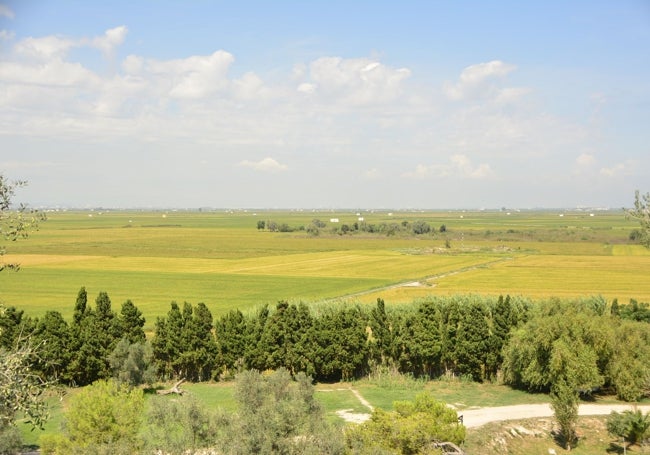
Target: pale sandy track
point(473, 418)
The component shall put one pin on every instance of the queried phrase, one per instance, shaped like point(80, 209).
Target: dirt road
point(473, 418)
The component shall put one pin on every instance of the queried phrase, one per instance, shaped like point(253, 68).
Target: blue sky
point(367, 104)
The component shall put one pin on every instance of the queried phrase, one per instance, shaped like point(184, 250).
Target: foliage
point(565, 401)
point(103, 418)
point(632, 426)
point(178, 425)
point(629, 369)
point(641, 213)
point(414, 427)
point(184, 345)
point(132, 363)
point(14, 224)
point(277, 415)
point(634, 311)
point(21, 390)
point(52, 334)
point(577, 342)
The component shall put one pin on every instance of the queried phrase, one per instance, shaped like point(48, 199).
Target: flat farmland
point(222, 259)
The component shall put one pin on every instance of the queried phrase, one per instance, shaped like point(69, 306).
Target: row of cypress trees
point(471, 336)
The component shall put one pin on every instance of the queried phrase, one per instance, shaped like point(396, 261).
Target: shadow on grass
point(561, 441)
point(615, 448)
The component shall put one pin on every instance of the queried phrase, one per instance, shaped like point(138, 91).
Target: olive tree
point(21, 390)
point(14, 223)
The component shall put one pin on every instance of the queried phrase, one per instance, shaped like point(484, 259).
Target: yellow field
point(221, 259)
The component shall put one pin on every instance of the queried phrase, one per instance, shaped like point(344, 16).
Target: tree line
point(529, 345)
point(316, 226)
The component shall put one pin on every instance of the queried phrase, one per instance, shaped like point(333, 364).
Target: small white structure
point(360, 218)
point(334, 220)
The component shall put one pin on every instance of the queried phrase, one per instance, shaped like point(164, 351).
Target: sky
point(325, 104)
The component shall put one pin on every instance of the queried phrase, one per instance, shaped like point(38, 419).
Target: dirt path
point(473, 418)
point(422, 281)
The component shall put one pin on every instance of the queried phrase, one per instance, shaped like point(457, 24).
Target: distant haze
point(331, 104)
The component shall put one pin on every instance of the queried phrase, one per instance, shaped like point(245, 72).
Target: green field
point(222, 259)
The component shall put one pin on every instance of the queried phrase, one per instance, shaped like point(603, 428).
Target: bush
point(102, 418)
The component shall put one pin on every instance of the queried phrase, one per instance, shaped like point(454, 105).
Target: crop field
point(222, 259)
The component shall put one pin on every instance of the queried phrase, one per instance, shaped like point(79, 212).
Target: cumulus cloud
point(357, 81)
point(197, 76)
point(110, 40)
point(265, 165)
point(458, 166)
point(474, 79)
point(46, 48)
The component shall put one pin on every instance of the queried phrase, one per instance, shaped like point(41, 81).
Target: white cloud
point(250, 87)
point(54, 73)
point(355, 81)
point(47, 48)
point(585, 160)
point(474, 79)
point(458, 166)
point(194, 77)
point(5, 11)
point(110, 40)
point(620, 169)
point(265, 165)
point(6, 35)
point(306, 88)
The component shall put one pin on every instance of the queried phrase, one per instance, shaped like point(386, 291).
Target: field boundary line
point(421, 280)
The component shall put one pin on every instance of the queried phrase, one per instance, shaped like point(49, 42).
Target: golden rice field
point(223, 260)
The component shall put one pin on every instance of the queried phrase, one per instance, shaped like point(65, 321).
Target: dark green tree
point(14, 326)
point(52, 335)
point(199, 346)
point(503, 321)
point(255, 352)
point(80, 306)
point(286, 338)
point(418, 342)
point(342, 349)
point(131, 323)
point(472, 348)
point(381, 340)
point(231, 341)
point(94, 335)
point(167, 342)
point(420, 227)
